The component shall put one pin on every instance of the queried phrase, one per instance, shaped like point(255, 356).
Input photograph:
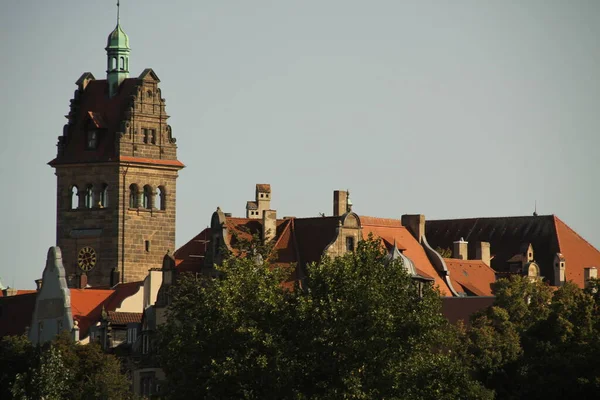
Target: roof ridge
point(572, 230)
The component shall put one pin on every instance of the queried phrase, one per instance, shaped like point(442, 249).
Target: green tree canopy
point(358, 327)
point(60, 370)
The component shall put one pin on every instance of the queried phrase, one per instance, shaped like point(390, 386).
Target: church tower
point(116, 168)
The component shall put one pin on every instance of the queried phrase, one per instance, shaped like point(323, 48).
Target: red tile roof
point(578, 252)
point(124, 318)
point(547, 234)
point(473, 276)
point(190, 256)
point(392, 230)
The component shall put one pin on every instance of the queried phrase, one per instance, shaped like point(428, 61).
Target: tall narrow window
point(145, 135)
point(74, 198)
point(147, 199)
point(89, 196)
point(113, 63)
point(153, 135)
point(161, 198)
point(349, 243)
point(133, 196)
point(122, 64)
point(104, 196)
point(92, 139)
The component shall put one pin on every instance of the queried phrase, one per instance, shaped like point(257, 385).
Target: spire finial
point(118, 9)
point(535, 214)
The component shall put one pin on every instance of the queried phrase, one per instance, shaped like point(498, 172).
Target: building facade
point(116, 169)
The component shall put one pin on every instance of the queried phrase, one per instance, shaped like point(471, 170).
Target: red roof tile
point(578, 253)
point(190, 256)
point(392, 230)
point(473, 276)
point(124, 318)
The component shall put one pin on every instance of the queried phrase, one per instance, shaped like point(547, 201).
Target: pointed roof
point(117, 39)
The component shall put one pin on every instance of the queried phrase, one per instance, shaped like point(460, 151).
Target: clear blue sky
point(449, 109)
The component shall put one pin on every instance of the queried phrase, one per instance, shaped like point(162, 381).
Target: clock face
point(86, 259)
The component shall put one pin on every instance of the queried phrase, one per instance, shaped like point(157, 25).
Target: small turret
point(117, 54)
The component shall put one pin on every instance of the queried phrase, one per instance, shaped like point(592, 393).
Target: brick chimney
point(415, 225)
point(269, 225)
point(482, 252)
point(460, 249)
point(340, 202)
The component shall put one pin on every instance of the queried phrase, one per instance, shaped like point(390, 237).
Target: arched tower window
point(122, 64)
point(89, 196)
point(133, 196)
point(74, 197)
point(113, 63)
point(147, 199)
point(161, 198)
point(104, 196)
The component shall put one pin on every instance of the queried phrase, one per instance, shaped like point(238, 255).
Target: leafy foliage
point(356, 328)
point(62, 369)
point(537, 344)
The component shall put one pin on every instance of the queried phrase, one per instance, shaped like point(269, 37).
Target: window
point(145, 135)
point(113, 63)
point(92, 140)
point(153, 135)
point(147, 245)
point(133, 196)
point(160, 198)
point(149, 94)
point(89, 196)
point(349, 243)
point(145, 343)
point(131, 334)
point(74, 197)
point(122, 64)
point(147, 198)
point(262, 195)
point(104, 196)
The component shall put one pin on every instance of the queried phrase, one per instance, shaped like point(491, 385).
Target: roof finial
point(118, 8)
point(535, 214)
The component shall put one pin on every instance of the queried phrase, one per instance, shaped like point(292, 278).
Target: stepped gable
point(106, 113)
point(391, 230)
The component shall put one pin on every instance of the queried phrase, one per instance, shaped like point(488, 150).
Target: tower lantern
point(117, 57)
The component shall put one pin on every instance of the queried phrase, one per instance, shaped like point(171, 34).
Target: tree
point(357, 328)
point(63, 369)
point(537, 344)
point(16, 357)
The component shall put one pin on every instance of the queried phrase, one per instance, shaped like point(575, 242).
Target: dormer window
point(92, 140)
point(349, 243)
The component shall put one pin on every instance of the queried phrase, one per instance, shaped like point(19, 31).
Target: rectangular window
point(147, 245)
point(145, 131)
point(92, 140)
point(349, 243)
point(131, 335)
point(153, 135)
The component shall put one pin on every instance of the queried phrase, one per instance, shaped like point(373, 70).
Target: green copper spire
point(117, 51)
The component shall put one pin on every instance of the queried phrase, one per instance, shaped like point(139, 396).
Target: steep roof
point(190, 256)
point(578, 252)
point(473, 276)
point(547, 234)
point(15, 313)
point(506, 236)
point(392, 230)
